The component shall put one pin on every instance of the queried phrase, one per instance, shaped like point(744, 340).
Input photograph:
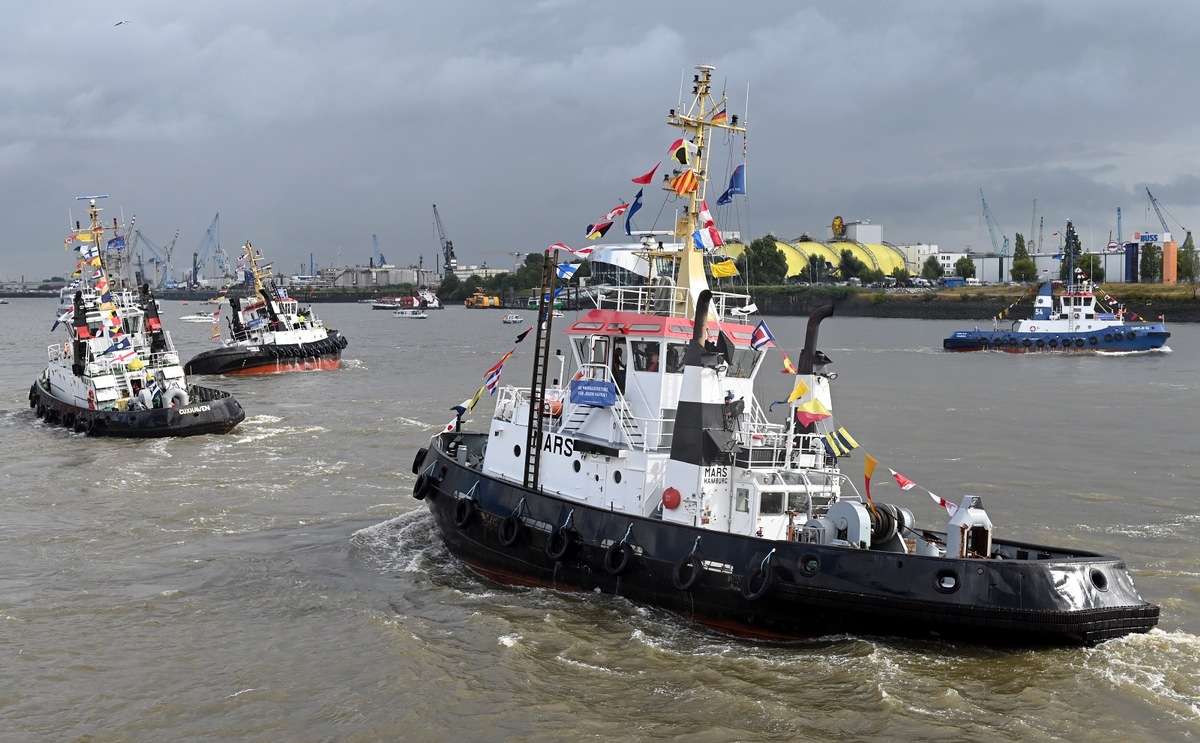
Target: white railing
point(670, 301)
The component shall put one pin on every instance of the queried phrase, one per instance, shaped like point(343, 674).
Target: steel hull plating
point(809, 591)
point(1145, 338)
point(267, 358)
point(208, 411)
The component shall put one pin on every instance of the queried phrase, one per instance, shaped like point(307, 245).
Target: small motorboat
point(412, 313)
point(513, 318)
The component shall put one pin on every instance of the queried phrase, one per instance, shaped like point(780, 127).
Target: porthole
point(517, 450)
point(810, 565)
point(945, 581)
point(617, 476)
point(576, 466)
point(1099, 579)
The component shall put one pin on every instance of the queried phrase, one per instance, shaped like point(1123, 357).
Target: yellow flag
point(724, 269)
point(800, 391)
point(84, 236)
point(869, 466)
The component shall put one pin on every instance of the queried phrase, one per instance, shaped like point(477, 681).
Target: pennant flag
point(737, 185)
point(65, 316)
point(524, 333)
point(119, 344)
point(800, 390)
point(492, 380)
point(596, 231)
point(615, 212)
point(645, 179)
point(951, 508)
point(558, 246)
point(840, 442)
point(582, 252)
point(868, 470)
point(787, 365)
point(685, 182)
point(722, 269)
point(467, 405)
point(810, 412)
point(637, 204)
point(904, 482)
point(776, 402)
point(761, 336)
point(498, 364)
point(719, 117)
point(566, 271)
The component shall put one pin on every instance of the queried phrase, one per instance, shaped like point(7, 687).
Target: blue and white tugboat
point(118, 374)
point(1073, 321)
point(655, 474)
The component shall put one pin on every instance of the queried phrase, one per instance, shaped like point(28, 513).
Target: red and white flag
point(950, 507)
point(904, 482)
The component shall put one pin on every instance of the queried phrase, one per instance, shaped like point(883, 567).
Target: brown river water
point(280, 583)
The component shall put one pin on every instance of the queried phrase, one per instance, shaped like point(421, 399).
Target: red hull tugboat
point(270, 333)
point(665, 483)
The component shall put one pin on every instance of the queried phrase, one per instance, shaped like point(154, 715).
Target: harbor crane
point(160, 257)
point(451, 262)
point(210, 246)
point(1002, 251)
point(378, 255)
point(1161, 220)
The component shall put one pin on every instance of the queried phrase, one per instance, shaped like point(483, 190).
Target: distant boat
point(1074, 321)
point(513, 318)
point(199, 317)
point(411, 314)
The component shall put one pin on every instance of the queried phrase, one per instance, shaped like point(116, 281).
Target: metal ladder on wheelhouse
point(541, 360)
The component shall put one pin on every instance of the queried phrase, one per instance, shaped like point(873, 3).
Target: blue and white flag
point(737, 184)
point(761, 336)
point(65, 316)
point(117, 243)
point(637, 204)
point(566, 271)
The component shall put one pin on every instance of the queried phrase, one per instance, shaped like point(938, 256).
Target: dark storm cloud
point(312, 126)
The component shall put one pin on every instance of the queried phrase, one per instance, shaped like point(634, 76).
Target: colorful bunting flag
point(904, 482)
point(596, 231)
point(761, 336)
point(840, 442)
point(951, 508)
point(811, 411)
point(800, 390)
point(737, 185)
point(637, 204)
point(868, 470)
point(524, 333)
point(722, 269)
point(685, 182)
point(787, 365)
point(645, 179)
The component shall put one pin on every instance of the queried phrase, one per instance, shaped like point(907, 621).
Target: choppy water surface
point(279, 583)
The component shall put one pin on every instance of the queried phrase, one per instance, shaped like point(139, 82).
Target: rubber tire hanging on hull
point(421, 488)
point(687, 572)
point(617, 558)
point(759, 582)
point(559, 543)
point(510, 530)
point(464, 512)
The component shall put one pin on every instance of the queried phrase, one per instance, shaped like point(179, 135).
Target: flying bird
point(120, 23)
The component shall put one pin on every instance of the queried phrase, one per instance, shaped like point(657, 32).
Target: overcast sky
point(309, 126)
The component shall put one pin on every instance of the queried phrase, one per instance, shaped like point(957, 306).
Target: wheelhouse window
point(646, 356)
point(741, 366)
point(741, 502)
point(771, 503)
point(675, 356)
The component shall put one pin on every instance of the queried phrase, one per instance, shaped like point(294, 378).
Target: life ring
point(146, 398)
point(510, 529)
point(421, 487)
point(464, 511)
point(1079, 343)
point(552, 407)
point(175, 398)
point(687, 571)
point(1032, 328)
point(416, 466)
point(759, 582)
point(1076, 315)
point(559, 543)
point(617, 558)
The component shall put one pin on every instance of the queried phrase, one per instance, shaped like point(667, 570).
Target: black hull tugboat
point(119, 373)
point(666, 484)
point(270, 333)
